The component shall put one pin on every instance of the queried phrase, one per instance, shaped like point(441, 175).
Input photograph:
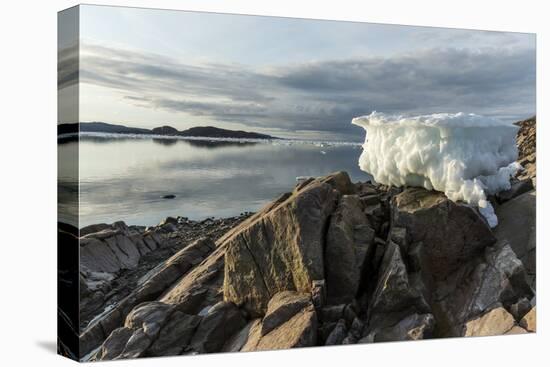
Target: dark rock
point(394, 298)
point(222, 321)
point(349, 246)
point(517, 226)
point(412, 327)
point(136, 345)
point(114, 344)
point(167, 220)
point(324, 330)
point(169, 196)
point(370, 200)
point(318, 294)
point(518, 188)
point(450, 233)
point(341, 182)
point(251, 332)
point(520, 308)
point(349, 339)
point(356, 329)
point(175, 335)
point(96, 255)
point(169, 227)
point(338, 333)
point(483, 284)
point(350, 313)
point(332, 313)
point(149, 316)
point(398, 235)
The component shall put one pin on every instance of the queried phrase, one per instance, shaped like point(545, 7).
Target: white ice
point(466, 156)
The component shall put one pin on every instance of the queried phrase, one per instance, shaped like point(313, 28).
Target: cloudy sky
point(290, 77)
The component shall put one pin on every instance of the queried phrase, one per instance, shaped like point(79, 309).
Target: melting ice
point(466, 156)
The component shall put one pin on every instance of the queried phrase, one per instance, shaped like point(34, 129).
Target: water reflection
point(125, 179)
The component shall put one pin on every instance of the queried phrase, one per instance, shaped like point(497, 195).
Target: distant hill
point(102, 127)
point(165, 130)
point(216, 132)
point(199, 131)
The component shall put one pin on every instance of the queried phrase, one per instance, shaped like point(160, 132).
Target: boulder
point(174, 337)
point(298, 331)
point(143, 322)
point(520, 308)
point(447, 234)
point(200, 287)
point(495, 322)
point(149, 316)
point(282, 307)
point(114, 344)
point(97, 256)
point(338, 334)
point(124, 250)
point(412, 327)
point(251, 331)
point(167, 220)
point(349, 246)
point(517, 226)
point(177, 265)
point(136, 345)
point(279, 249)
point(222, 321)
point(394, 297)
point(498, 278)
point(341, 182)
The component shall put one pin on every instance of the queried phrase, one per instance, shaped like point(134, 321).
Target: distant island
point(198, 131)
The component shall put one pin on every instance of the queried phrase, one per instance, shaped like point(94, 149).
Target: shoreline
point(281, 141)
point(209, 267)
point(94, 227)
point(142, 249)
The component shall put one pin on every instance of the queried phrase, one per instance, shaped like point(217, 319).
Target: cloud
point(325, 95)
point(67, 66)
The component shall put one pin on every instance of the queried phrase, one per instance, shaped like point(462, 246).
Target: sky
point(287, 77)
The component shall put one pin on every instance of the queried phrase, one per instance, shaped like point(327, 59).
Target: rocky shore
point(331, 262)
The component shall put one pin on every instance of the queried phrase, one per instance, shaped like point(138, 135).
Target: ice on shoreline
point(466, 156)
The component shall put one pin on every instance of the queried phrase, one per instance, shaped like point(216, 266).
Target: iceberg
point(465, 156)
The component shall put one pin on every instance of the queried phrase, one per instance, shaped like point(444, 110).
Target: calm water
point(124, 179)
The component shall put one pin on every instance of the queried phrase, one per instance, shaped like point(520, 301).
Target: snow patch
point(466, 156)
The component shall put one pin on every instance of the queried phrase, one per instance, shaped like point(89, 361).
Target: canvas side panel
point(67, 184)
